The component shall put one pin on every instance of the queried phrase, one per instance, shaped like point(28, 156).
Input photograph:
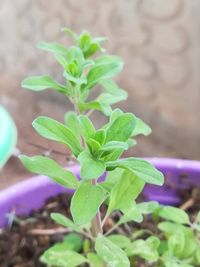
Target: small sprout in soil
point(86, 66)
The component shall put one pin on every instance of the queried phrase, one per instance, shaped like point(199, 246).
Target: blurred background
point(159, 41)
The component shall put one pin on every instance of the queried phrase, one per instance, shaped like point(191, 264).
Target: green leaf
point(77, 80)
point(168, 227)
point(70, 33)
point(176, 242)
point(93, 48)
point(121, 128)
point(111, 145)
point(148, 207)
point(111, 87)
point(112, 178)
point(141, 128)
point(40, 83)
point(146, 249)
point(86, 202)
point(141, 168)
point(84, 41)
point(56, 131)
point(95, 105)
point(174, 214)
point(60, 256)
point(115, 114)
point(100, 136)
point(113, 93)
point(64, 221)
point(93, 145)
point(45, 166)
point(91, 168)
point(76, 55)
point(120, 240)
point(72, 122)
point(106, 99)
point(61, 60)
point(125, 191)
point(114, 155)
point(95, 260)
point(131, 142)
point(74, 241)
point(113, 255)
point(87, 129)
point(197, 256)
point(131, 213)
point(105, 67)
point(53, 47)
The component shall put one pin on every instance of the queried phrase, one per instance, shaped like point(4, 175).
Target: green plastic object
point(8, 136)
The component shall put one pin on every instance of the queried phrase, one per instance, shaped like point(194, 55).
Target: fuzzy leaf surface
point(140, 168)
point(40, 83)
point(56, 131)
point(112, 254)
point(86, 202)
point(91, 168)
point(46, 166)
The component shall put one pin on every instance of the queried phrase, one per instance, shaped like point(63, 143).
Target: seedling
point(87, 66)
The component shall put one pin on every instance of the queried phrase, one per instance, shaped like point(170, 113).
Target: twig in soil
point(128, 229)
point(188, 204)
point(54, 231)
point(115, 228)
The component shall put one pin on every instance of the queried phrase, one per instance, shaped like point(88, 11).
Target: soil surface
point(26, 238)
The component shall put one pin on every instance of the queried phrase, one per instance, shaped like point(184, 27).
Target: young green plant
point(87, 66)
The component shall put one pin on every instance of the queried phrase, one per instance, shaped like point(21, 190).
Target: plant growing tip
point(86, 66)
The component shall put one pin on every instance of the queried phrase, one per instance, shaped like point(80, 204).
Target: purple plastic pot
point(31, 194)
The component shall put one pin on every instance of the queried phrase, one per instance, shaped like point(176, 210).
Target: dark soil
point(28, 237)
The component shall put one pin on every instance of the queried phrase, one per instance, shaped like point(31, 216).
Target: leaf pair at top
point(86, 43)
point(82, 74)
point(104, 145)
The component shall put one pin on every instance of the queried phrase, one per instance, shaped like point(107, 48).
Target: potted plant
point(103, 206)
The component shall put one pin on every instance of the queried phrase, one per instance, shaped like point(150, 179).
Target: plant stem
point(76, 109)
point(112, 229)
point(96, 226)
point(105, 219)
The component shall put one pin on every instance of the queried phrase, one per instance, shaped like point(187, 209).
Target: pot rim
point(25, 191)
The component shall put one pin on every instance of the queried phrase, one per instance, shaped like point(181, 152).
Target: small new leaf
point(121, 128)
point(105, 67)
point(91, 168)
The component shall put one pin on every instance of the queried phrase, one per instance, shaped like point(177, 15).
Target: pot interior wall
point(31, 194)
